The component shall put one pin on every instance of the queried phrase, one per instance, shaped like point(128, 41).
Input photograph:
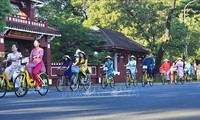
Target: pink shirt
point(39, 56)
point(36, 52)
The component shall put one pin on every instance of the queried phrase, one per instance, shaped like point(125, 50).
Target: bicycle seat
point(23, 63)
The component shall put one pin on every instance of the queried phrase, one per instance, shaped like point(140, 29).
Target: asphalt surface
point(160, 102)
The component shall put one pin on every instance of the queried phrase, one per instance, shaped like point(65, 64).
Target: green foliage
point(5, 9)
point(74, 37)
point(141, 20)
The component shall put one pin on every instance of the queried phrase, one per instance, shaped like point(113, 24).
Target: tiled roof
point(120, 41)
point(32, 29)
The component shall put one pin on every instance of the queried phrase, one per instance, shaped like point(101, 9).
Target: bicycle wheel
point(163, 79)
point(61, 84)
point(127, 81)
point(151, 82)
point(87, 84)
point(182, 80)
point(135, 81)
point(186, 78)
point(103, 82)
point(20, 85)
point(112, 83)
point(75, 82)
point(143, 81)
point(3, 86)
point(45, 84)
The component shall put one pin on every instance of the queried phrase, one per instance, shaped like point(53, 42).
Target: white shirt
point(14, 57)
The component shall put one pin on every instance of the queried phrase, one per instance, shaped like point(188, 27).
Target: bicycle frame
point(147, 77)
point(5, 77)
point(27, 77)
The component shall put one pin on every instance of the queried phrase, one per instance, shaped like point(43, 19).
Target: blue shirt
point(148, 61)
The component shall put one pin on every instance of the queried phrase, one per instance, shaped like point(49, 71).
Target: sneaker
point(37, 88)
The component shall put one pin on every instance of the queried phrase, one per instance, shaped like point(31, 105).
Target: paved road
point(168, 102)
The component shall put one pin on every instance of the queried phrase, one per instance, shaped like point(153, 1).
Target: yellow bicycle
point(146, 78)
point(5, 84)
point(164, 78)
point(105, 81)
point(22, 82)
point(187, 77)
point(178, 78)
point(129, 78)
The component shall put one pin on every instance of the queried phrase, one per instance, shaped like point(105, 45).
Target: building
point(23, 28)
point(120, 47)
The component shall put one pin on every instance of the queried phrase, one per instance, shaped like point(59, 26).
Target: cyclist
point(132, 66)
point(165, 67)
point(109, 65)
point(14, 57)
point(188, 68)
point(173, 69)
point(198, 72)
point(179, 65)
point(68, 64)
point(36, 64)
point(149, 62)
point(82, 62)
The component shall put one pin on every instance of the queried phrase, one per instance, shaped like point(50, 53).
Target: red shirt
point(165, 67)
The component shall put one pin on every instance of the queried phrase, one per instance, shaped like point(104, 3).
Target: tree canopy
point(5, 9)
point(149, 22)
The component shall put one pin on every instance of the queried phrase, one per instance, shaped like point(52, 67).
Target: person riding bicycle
point(14, 57)
point(82, 62)
point(109, 65)
point(165, 67)
point(188, 68)
point(173, 70)
point(132, 66)
point(149, 62)
point(67, 63)
point(179, 65)
point(36, 63)
point(198, 72)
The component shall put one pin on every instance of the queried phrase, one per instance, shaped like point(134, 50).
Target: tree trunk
point(161, 50)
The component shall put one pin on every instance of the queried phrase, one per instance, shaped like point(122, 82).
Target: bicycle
point(5, 84)
point(80, 79)
point(187, 77)
point(105, 81)
point(164, 78)
point(146, 78)
point(198, 75)
point(179, 79)
point(63, 81)
point(23, 82)
point(129, 78)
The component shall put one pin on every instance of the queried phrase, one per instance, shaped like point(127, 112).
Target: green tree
point(68, 20)
point(5, 9)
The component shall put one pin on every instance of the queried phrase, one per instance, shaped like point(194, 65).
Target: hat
point(108, 57)
point(179, 58)
point(132, 56)
point(166, 59)
point(67, 56)
point(81, 52)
